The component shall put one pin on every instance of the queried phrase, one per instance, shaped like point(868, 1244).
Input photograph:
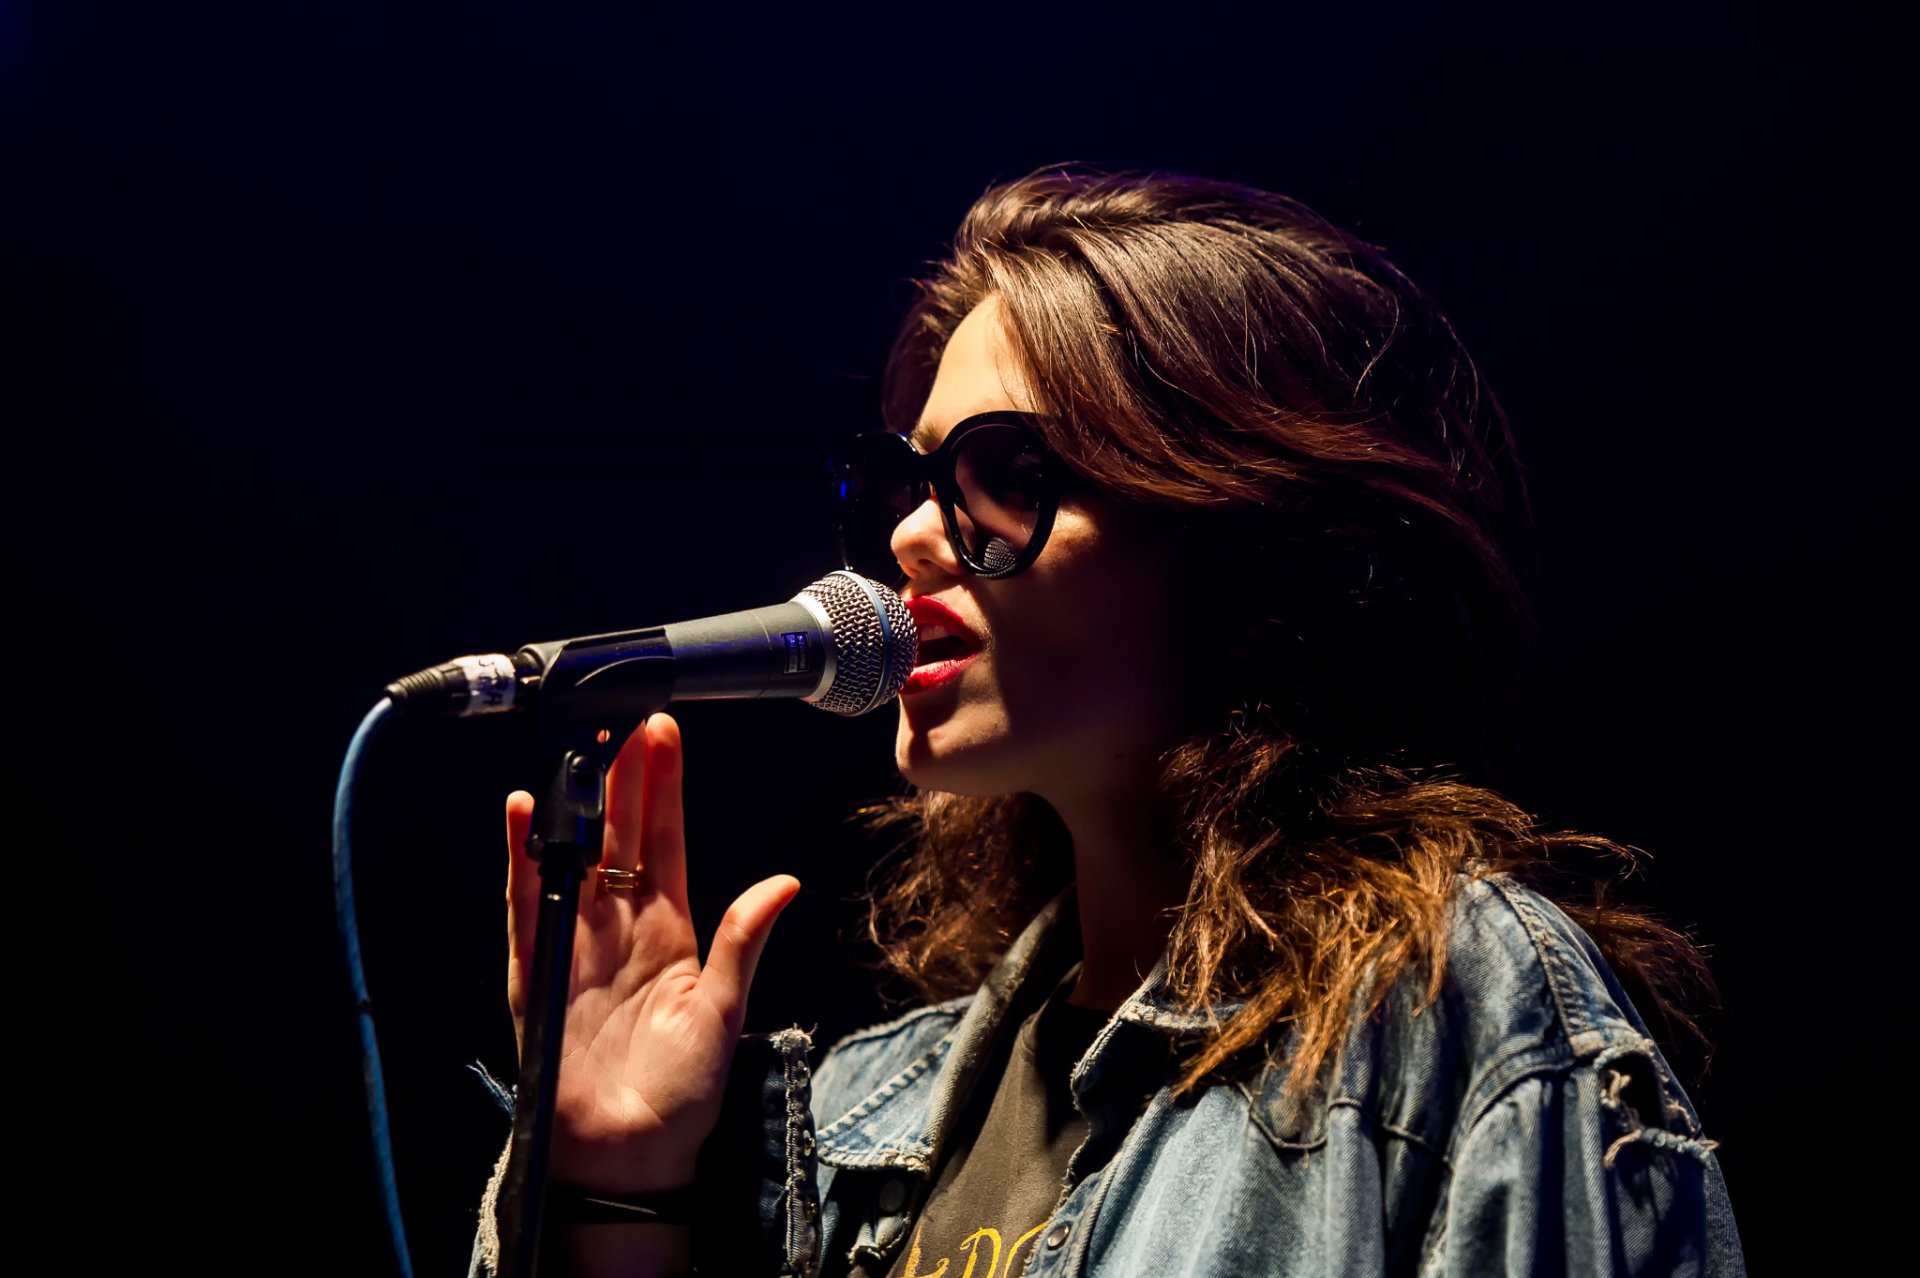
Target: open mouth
point(946, 645)
point(937, 646)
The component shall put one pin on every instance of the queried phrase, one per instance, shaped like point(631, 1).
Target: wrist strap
point(661, 1207)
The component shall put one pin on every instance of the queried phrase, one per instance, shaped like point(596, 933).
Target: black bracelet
point(662, 1207)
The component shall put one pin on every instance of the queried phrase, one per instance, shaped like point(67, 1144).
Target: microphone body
point(845, 643)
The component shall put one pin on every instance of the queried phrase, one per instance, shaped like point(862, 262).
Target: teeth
point(930, 633)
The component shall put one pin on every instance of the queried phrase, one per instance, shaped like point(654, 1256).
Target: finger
point(626, 800)
point(523, 883)
point(663, 840)
point(738, 944)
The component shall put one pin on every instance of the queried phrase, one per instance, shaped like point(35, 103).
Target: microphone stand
point(566, 841)
point(591, 690)
point(580, 734)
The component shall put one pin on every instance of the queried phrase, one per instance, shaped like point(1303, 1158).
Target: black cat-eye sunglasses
point(997, 485)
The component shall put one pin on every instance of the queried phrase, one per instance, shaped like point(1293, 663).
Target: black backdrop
point(341, 339)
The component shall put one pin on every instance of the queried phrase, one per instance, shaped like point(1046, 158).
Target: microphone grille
point(874, 641)
point(998, 555)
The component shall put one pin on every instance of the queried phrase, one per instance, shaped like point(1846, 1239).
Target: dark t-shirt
point(1008, 1165)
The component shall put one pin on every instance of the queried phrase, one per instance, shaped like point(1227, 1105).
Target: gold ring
point(612, 880)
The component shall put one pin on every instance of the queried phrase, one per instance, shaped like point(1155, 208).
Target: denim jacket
point(1522, 1122)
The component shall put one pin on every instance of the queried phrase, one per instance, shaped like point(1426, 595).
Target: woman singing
point(1231, 962)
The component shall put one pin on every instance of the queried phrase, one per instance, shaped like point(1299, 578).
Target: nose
point(920, 544)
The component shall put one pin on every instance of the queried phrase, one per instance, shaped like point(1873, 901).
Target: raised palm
point(649, 1031)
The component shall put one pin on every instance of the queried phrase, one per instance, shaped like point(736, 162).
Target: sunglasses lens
point(877, 485)
point(1001, 474)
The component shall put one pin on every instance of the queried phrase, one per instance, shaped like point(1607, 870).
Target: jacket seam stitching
point(886, 1090)
point(1552, 961)
point(1394, 1129)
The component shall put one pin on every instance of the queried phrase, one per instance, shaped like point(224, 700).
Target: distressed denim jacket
point(1520, 1123)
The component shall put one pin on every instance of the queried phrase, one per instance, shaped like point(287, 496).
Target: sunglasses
point(996, 483)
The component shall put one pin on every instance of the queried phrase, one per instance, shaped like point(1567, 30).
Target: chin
point(930, 771)
point(932, 760)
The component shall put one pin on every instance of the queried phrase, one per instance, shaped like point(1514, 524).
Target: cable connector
point(487, 683)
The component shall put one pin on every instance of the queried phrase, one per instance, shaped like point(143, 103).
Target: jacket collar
point(908, 1121)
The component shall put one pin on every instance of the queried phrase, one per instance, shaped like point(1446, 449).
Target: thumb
point(737, 944)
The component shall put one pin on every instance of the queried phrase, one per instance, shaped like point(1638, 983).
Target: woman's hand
point(649, 1031)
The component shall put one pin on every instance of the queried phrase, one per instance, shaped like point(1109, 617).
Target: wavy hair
point(1342, 489)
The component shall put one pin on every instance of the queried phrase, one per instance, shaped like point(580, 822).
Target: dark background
point(341, 339)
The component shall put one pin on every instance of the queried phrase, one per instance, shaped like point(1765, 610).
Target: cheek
point(1098, 675)
point(1099, 653)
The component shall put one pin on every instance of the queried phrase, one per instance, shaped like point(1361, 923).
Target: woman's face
point(1062, 680)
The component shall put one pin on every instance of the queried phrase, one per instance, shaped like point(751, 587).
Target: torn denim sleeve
point(757, 1206)
point(1592, 1173)
point(759, 1201)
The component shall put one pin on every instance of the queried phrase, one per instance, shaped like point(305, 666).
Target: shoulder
point(1522, 980)
point(1524, 995)
point(1529, 976)
point(890, 1054)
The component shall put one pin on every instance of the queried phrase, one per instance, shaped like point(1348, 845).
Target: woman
point(1244, 969)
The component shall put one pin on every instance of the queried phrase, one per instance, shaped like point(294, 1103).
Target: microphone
point(846, 644)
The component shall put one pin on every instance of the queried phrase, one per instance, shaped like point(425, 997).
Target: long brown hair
point(1312, 435)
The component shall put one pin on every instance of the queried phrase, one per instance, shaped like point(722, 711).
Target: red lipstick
point(947, 646)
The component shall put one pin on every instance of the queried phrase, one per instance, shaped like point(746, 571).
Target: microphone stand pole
point(566, 841)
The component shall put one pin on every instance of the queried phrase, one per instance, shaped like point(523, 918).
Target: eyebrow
point(923, 432)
